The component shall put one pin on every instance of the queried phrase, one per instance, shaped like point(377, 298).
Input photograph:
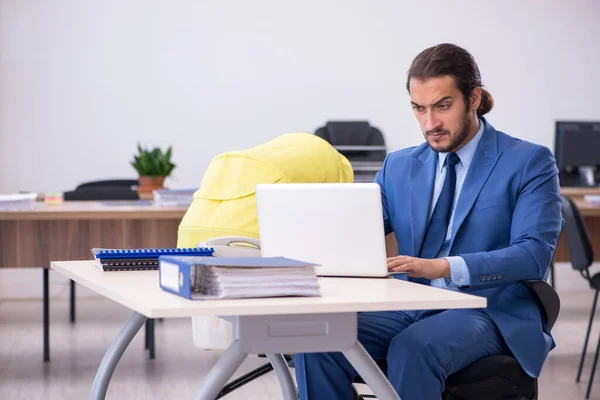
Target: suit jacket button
point(499, 276)
point(482, 278)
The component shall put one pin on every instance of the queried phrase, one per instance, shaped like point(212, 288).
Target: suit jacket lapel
point(422, 175)
point(484, 161)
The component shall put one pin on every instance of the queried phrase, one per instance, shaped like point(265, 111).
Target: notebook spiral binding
point(141, 259)
point(151, 253)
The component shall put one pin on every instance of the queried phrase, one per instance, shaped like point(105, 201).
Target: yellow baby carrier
point(225, 204)
point(224, 208)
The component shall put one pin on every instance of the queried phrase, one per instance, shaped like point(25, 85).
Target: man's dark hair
point(450, 60)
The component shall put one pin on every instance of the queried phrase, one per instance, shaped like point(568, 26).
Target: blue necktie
point(438, 224)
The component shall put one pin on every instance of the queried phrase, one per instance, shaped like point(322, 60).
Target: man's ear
point(475, 99)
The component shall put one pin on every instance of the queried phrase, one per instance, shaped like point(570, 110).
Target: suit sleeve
point(380, 179)
point(535, 229)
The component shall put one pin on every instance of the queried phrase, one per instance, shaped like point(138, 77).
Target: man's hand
point(420, 267)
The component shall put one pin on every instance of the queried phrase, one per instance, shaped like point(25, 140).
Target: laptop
point(338, 226)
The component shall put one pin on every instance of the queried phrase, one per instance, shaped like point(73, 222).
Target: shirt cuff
point(459, 273)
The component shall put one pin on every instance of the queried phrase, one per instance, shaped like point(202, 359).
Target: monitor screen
point(577, 144)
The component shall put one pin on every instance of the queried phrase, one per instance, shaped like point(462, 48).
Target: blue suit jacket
point(506, 226)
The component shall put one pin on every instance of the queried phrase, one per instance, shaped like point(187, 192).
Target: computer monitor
point(577, 152)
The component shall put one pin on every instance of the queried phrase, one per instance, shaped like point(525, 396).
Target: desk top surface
point(94, 210)
point(579, 191)
point(85, 210)
point(139, 291)
point(587, 208)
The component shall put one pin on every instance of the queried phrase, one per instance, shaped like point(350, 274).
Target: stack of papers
point(592, 198)
point(173, 197)
point(20, 201)
point(228, 277)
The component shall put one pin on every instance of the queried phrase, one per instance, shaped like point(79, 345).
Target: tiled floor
point(76, 351)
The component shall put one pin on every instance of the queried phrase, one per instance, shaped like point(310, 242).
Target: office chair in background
point(581, 255)
point(107, 190)
point(118, 189)
point(362, 144)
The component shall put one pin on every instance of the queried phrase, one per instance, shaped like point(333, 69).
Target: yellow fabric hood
point(225, 204)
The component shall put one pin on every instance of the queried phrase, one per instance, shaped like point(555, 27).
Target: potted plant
point(153, 166)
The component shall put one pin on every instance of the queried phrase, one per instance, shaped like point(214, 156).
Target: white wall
point(82, 81)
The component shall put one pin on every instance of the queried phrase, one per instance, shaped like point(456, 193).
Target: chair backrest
point(119, 189)
point(547, 299)
point(109, 183)
point(578, 240)
point(344, 134)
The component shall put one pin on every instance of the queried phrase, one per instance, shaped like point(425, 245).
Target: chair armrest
point(547, 299)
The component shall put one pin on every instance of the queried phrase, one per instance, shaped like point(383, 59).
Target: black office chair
point(581, 255)
point(106, 190)
point(362, 144)
point(498, 377)
point(117, 189)
point(354, 133)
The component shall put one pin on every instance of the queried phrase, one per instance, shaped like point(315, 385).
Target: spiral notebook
point(141, 259)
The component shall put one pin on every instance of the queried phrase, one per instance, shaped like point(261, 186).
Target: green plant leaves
point(153, 162)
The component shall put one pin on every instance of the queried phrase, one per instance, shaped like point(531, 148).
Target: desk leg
point(72, 301)
point(288, 387)
point(220, 373)
point(46, 316)
point(114, 353)
point(370, 372)
point(150, 338)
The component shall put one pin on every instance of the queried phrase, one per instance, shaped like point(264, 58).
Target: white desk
point(269, 326)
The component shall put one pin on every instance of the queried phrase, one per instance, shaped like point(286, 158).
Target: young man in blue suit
point(473, 210)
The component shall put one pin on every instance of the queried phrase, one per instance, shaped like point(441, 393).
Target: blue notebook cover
point(175, 272)
point(151, 253)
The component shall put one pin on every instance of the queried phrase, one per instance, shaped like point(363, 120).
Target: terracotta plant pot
point(148, 184)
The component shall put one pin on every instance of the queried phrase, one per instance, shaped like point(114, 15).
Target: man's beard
point(456, 141)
